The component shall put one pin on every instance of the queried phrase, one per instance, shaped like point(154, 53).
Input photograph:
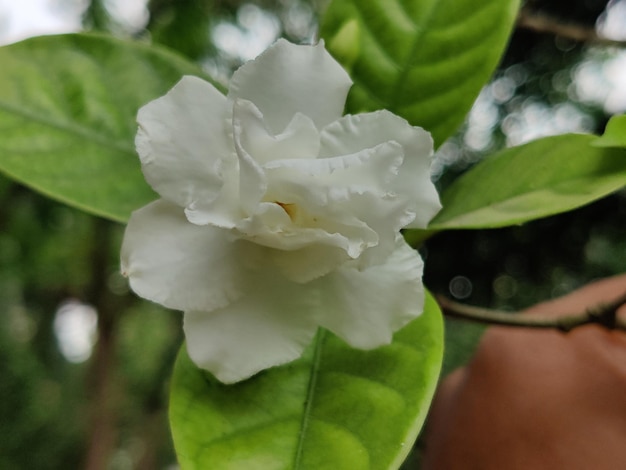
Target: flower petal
point(370, 167)
point(308, 263)
point(365, 307)
point(349, 194)
point(252, 181)
point(287, 79)
point(272, 227)
point(353, 133)
point(182, 140)
point(300, 139)
point(316, 194)
point(269, 326)
point(224, 210)
point(178, 264)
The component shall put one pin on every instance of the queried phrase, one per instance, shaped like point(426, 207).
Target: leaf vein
point(315, 366)
point(67, 127)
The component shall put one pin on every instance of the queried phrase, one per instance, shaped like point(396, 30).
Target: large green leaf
point(614, 134)
point(67, 114)
point(538, 179)
point(425, 60)
point(335, 408)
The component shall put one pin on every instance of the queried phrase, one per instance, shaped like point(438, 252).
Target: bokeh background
point(84, 365)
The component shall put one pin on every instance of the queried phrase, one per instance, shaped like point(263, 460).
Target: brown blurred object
point(537, 399)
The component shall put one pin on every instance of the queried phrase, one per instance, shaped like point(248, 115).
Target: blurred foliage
point(183, 25)
point(515, 267)
point(46, 258)
point(47, 250)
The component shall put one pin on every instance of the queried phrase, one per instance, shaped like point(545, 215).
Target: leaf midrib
point(403, 69)
point(69, 128)
point(452, 221)
point(396, 97)
point(304, 426)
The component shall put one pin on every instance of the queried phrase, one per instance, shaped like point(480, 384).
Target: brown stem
point(153, 431)
point(604, 315)
point(102, 430)
point(527, 19)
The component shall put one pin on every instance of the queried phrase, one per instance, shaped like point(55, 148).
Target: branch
point(546, 24)
point(604, 315)
point(104, 415)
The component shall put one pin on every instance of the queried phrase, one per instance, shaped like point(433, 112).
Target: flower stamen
point(289, 208)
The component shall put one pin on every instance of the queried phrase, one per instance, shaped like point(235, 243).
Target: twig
point(546, 24)
point(103, 417)
point(604, 315)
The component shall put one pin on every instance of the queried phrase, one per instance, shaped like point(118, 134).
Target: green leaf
point(425, 60)
point(544, 177)
point(335, 408)
point(67, 113)
point(614, 134)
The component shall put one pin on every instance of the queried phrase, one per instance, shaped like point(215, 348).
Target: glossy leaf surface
point(425, 60)
point(336, 407)
point(67, 113)
point(614, 134)
point(544, 177)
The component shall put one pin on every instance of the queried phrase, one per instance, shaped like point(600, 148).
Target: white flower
point(277, 215)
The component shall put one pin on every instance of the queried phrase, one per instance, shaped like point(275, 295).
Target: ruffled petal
point(288, 79)
point(182, 141)
point(349, 194)
point(269, 326)
point(178, 264)
point(313, 203)
point(371, 167)
point(365, 307)
point(225, 210)
point(300, 139)
point(252, 181)
point(301, 259)
point(385, 215)
point(272, 226)
point(353, 133)
point(308, 263)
